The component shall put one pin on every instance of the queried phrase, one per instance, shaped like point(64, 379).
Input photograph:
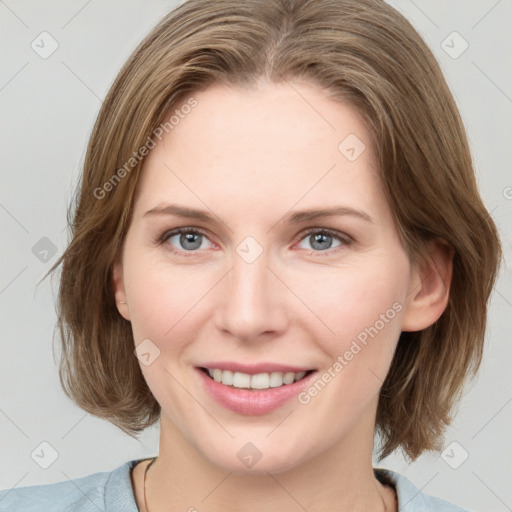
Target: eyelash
point(344, 239)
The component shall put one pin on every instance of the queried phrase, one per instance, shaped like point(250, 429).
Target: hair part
point(362, 52)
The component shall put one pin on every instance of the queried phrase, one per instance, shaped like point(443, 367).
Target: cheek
point(165, 299)
point(357, 312)
point(363, 307)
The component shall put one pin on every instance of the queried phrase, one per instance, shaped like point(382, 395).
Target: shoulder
point(411, 499)
point(106, 491)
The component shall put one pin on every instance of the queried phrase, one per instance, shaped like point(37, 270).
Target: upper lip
point(255, 368)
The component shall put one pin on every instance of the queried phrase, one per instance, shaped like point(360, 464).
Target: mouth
point(254, 382)
point(253, 389)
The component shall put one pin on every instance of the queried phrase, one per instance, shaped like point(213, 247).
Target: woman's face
point(260, 284)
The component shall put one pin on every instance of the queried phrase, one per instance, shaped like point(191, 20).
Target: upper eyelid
point(330, 231)
point(343, 237)
point(186, 229)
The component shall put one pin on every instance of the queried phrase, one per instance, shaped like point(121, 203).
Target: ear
point(429, 289)
point(118, 287)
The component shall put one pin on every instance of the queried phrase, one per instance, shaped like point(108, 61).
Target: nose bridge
point(251, 303)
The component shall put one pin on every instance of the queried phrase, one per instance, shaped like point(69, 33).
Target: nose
point(252, 302)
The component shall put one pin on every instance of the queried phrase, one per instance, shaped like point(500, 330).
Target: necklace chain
point(154, 459)
point(145, 474)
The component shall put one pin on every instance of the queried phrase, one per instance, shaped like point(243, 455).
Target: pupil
point(188, 238)
point(320, 238)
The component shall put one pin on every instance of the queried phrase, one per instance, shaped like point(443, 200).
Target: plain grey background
point(48, 106)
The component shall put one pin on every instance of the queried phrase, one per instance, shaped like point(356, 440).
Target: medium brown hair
point(363, 52)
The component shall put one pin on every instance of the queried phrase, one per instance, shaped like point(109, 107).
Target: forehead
point(283, 142)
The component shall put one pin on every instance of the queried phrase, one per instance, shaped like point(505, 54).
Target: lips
point(253, 393)
point(255, 368)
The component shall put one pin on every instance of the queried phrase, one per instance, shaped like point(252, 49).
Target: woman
point(279, 250)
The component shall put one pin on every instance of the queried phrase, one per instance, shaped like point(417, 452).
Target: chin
point(256, 458)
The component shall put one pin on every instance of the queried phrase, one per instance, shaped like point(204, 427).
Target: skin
point(249, 157)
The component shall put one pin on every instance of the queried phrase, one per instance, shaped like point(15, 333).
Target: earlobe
point(429, 290)
point(119, 292)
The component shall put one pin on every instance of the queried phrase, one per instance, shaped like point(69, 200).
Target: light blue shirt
point(113, 492)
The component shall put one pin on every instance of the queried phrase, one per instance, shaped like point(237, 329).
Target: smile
point(259, 381)
point(255, 393)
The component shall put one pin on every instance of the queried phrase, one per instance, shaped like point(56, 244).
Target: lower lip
point(252, 402)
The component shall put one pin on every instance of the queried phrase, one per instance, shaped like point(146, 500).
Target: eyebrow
point(293, 218)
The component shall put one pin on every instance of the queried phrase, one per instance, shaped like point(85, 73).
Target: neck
point(182, 478)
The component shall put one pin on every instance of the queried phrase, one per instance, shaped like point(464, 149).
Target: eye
point(321, 239)
point(185, 240)
point(191, 240)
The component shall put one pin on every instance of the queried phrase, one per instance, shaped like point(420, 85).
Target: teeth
point(241, 380)
point(288, 377)
point(227, 378)
point(276, 379)
point(258, 381)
